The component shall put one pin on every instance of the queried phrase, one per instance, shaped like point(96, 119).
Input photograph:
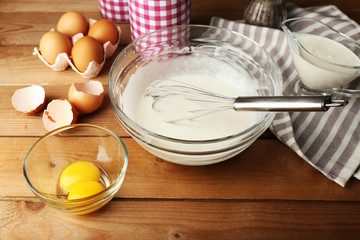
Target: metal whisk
point(165, 90)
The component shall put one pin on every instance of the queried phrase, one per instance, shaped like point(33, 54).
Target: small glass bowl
point(322, 75)
point(56, 150)
point(236, 51)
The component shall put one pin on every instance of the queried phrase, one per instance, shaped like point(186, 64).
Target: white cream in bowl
point(202, 71)
point(324, 63)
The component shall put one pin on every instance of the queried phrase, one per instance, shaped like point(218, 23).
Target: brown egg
point(86, 97)
point(72, 23)
point(52, 44)
point(104, 31)
point(86, 50)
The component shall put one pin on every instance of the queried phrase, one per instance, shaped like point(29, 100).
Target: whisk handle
point(287, 103)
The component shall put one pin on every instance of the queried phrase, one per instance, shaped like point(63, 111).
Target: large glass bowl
point(239, 53)
point(53, 152)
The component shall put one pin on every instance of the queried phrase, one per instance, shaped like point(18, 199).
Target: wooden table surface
point(266, 192)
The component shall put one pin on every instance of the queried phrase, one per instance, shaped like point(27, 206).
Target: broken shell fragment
point(59, 113)
point(29, 99)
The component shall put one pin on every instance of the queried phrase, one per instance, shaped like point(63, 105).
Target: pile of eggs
point(82, 44)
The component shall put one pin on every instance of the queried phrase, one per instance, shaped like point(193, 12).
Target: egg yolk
point(79, 172)
point(85, 189)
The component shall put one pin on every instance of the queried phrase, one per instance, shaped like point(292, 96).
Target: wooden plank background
point(266, 192)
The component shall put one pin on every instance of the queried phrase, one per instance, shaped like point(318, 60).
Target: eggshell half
point(59, 113)
point(29, 99)
point(86, 97)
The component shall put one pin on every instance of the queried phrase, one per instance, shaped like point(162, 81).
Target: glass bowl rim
point(268, 115)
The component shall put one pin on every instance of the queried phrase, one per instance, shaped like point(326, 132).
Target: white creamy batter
point(209, 126)
point(204, 72)
point(318, 74)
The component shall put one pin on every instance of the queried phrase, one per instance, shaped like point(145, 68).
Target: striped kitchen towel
point(328, 141)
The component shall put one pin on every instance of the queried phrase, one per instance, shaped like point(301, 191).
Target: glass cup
point(53, 152)
point(327, 61)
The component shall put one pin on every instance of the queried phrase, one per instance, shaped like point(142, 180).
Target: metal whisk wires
point(188, 100)
point(193, 102)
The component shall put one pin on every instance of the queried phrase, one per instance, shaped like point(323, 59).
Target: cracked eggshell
point(86, 97)
point(59, 113)
point(29, 99)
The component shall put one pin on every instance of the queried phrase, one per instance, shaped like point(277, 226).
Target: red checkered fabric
point(159, 42)
point(115, 10)
point(149, 15)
